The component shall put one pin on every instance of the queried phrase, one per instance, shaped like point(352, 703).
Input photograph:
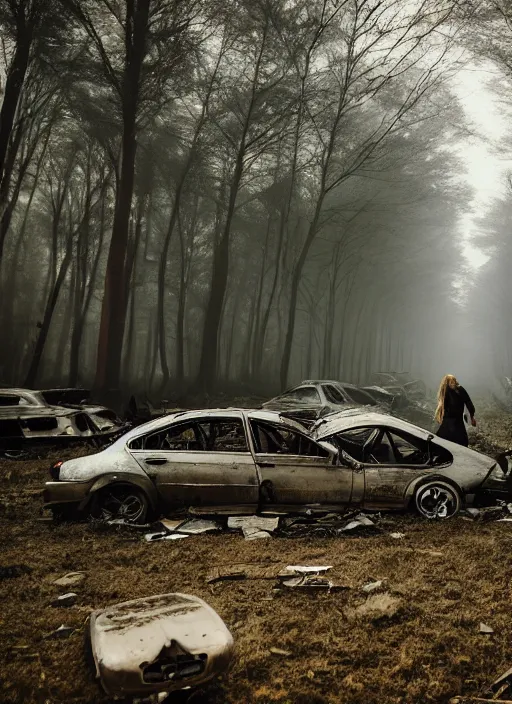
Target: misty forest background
point(201, 195)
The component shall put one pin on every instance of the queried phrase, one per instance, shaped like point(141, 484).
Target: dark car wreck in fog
point(159, 643)
point(240, 461)
point(29, 422)
point(313, 399)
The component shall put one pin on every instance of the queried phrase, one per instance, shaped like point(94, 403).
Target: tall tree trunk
point(113, 312)
point(182, 296)
point(207, 376)
point(47, 319)
point(67, 318)
point(79, 322)
point(11, 97)
point(294, 292)
point(131, 284)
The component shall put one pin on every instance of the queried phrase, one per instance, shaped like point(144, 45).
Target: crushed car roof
point(353, 418)
point(161, 422)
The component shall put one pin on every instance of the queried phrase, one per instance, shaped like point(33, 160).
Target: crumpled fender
point(143, 483)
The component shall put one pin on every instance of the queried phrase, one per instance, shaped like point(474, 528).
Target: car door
point(295, 471)
point(203, 462)
point(392, 459)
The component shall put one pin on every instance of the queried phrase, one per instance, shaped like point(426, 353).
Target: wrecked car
point(314, 399)
point(158, 644)
point(28, 422)
point(243, 462)
point(32, 428)
point(103, 418)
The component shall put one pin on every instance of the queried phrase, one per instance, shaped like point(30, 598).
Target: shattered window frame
point(202, 440)
point(304, 440)
point(349, 442)
point(355, 393)
point(297, 396)
point(333, 394)
point(439, 456)
point(224, 420)
point(141, 442)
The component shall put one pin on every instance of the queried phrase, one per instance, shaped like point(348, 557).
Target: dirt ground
point(445, 579)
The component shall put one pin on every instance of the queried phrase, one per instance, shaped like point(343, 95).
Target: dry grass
point(427, 649)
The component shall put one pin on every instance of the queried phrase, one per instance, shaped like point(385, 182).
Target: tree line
point(194, 192)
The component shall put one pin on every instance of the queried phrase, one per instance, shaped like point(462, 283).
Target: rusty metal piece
point(159, 643)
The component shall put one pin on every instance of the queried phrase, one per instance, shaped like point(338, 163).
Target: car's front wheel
point(437, 499)
point(120, 502)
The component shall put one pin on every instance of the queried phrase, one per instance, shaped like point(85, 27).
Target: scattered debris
point(490, 513)
point(397, 536)
point(473, 512)
point(314, 582)
point(254, 527)
point(372, 586)
point(503, 685)
point(126, 524)
point(159, 643)
point(484, 628)
point(61, 632)
point(193, 526)
point(246, 571)
point(12, 571)
point(280, 651)
point(68, 599)
point(376, 607)
point(255, 534)
point(70, 579)
point(169, 524)
point(153, 537)
point(360, 523)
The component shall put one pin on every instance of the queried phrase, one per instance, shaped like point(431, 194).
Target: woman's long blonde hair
point(447, 381)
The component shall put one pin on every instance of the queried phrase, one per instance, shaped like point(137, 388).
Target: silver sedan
point(242, 461)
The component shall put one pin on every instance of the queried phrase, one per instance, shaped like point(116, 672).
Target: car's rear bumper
point(61, 493)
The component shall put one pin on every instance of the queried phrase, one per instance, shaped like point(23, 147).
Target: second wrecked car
point(32, 420)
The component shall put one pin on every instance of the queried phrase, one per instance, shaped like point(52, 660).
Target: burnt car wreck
point(158, 644)
point(231, 461)
point(314, 399)
point(30, 424)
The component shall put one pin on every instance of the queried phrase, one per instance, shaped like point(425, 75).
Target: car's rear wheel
point(437, 499)
point(120, 502)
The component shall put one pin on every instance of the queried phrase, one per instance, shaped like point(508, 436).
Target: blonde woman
point(451, 400)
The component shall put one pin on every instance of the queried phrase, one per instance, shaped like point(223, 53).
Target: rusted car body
point(29, 422)
point(31, 427)
point(158, 644)
point(241, 462)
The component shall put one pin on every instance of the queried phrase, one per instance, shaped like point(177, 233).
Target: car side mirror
point(351, 462)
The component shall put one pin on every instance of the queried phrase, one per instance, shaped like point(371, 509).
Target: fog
point(200, 197)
